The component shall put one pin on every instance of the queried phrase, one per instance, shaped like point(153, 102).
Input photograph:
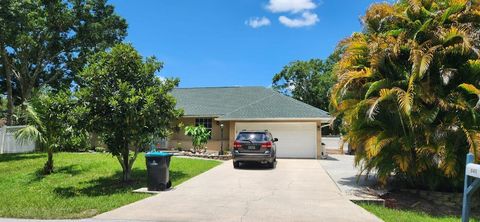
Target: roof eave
point(201, 116)
point(322, 119)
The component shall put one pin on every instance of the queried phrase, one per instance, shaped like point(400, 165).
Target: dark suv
point(254, 146)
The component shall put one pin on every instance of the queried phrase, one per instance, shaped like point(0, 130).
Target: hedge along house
point(227, 110)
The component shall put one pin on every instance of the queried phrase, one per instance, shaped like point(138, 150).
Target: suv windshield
point(252, 136)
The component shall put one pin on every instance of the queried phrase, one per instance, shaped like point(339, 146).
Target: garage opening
point(295, 139)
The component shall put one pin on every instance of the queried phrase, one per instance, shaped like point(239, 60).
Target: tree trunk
point(48, 168)
point(126, 176)
point(127, 167)
point(126, 162)
point(9, 98)
point(8, 82)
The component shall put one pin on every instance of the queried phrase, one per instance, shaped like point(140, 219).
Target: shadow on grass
point(71, 170)
point(110, 185)
point(20, 156)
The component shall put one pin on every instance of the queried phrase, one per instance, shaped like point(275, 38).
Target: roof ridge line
point(217, 87)
point(298, 101)
point(256, 101)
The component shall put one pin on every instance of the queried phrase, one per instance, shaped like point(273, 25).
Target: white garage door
point(295, 139)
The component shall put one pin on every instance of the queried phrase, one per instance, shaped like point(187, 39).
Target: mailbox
point(472, 183)
point(473, 170)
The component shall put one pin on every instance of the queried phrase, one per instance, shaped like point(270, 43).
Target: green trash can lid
point(157, 154)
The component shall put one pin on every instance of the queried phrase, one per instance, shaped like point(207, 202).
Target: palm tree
point(407, 88)
point(47, 116)
point(36, 131)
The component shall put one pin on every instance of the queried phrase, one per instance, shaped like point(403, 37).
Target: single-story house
point(227, 110)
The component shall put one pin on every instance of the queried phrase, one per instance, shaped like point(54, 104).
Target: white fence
point(8, 143)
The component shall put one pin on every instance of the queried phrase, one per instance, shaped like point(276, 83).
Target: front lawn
point(395, 215)
point(83, 185)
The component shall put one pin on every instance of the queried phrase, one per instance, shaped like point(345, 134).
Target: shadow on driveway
point(255, 166)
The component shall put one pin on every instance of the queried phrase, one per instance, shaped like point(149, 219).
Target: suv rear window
point(252, 136)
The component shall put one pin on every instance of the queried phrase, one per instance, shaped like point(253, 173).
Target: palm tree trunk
point(48, 168)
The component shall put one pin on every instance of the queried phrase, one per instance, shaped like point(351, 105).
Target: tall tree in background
point(408, 90)
point(125, 103)
point(46, 43)
point(307, 81)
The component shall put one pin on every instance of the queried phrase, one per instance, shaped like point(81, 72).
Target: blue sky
point(237, 42)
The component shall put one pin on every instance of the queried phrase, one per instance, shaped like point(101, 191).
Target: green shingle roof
point(236, 103)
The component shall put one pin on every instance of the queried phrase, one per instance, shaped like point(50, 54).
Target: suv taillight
point(267, 144)
point(237, 145)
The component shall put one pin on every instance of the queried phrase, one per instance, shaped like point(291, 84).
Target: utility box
point(324, 154)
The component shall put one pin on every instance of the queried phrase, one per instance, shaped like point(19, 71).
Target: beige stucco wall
point(229, 135)
point(319, 133)
point(319, 140)
point(180, 139)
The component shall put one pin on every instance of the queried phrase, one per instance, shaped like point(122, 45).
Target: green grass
point(83, 185)
point(394, 215)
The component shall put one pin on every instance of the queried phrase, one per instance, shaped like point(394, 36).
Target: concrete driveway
point(296, 190)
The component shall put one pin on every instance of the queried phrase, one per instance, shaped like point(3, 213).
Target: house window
point(205, 122)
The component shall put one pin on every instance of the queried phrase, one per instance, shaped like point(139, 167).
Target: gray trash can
point(158, 176)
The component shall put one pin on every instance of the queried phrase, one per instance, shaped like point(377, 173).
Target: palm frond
point(455, 36)
point(29, 134)
point(415, 5)
point(375, 86)
point(473, 139)
point(31, 115)
point(385, 94)
point(426, 60)
point(471, 89)
point(402, 161)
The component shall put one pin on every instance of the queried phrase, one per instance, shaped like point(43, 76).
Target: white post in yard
point(3, 131)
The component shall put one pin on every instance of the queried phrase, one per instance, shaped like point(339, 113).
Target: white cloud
point(292, 6)
point(307, 19)
point(162, 78)
point(257, 22)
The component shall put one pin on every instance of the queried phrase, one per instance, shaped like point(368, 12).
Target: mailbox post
point(472, 183)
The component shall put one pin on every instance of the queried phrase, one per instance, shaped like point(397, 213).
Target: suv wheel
point(236, 165)
point(271, 165)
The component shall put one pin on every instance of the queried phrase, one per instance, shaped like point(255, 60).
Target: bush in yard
point(407, 88)
point(48, 117)
point(125, 103)
point(200, 136)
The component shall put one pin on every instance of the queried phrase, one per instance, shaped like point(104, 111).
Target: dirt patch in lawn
point(413, 200)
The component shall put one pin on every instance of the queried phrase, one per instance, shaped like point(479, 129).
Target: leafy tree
point(308, 81)
point(200, 136)
point(407, 87)
point(125, 103)
point(48, 116)
point(46, 43)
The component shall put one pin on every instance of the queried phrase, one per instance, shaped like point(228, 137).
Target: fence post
point(2, 139)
